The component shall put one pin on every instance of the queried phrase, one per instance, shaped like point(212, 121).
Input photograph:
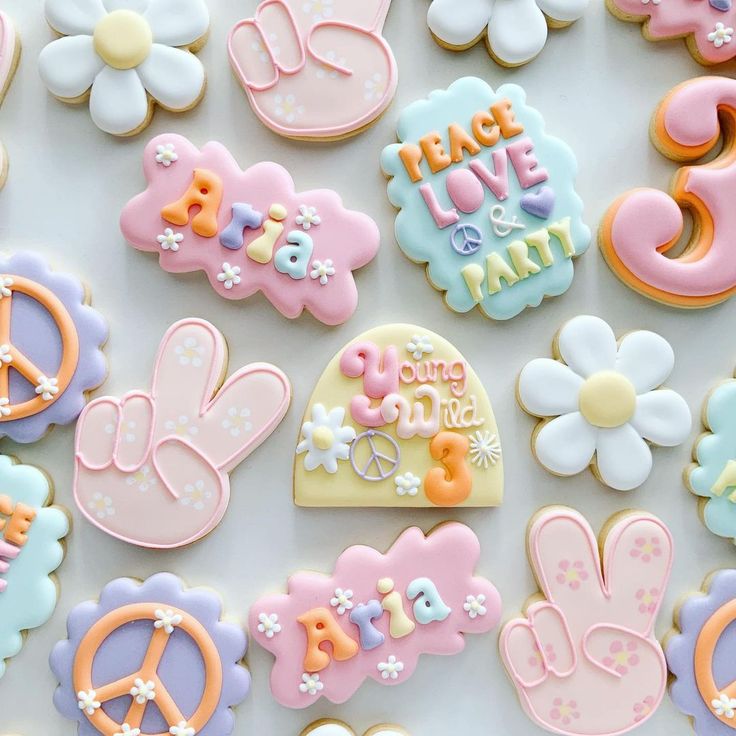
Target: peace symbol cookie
point(150, 658)
point(152, 468)
point(31, 534)
point(9, 55)
point(328, 727)
point(486, 198)
point(50, 347)
point(399, 418)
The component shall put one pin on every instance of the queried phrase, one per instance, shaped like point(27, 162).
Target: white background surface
point(597, 84)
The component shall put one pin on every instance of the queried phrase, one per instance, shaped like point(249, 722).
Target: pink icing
point(7, 48)
point(447, 557)
point(587, 654)
point(465, 190)
point(349, 239)
point(648, 219)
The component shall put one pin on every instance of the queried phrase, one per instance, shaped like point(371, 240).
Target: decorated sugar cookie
point(514, 32)
point(50, 347)
point(124, 56)
point(9, 55)
point(152, 468)
point(706, 25)
point(643, 225)
point(328, 727)
point(315, 69)
point(399, 418)
point(249, 230)
point(601, 402)
point(150, 658)
point(699, 656)
point(585, 658)
point(31, 534)
point(486, 198)
point(374, 615)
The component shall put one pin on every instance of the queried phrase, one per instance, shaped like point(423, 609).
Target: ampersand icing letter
point(321, 627)
point(452, 484)
point(428, 606)
point(205, 191)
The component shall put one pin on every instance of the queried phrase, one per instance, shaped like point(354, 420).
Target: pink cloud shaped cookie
point(375, 615)
point(249, 230)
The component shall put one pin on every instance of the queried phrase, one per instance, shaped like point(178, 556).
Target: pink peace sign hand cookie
point(585, 659)
point(315, 69)
point(152, 468)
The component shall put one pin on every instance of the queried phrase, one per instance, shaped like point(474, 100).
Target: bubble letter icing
point(150, 658)
point(399, 418)
point(249, 230)
point(315, 69)
point(644, 224)
point(486, 198)
point(124, 57)
point(31, 531)
point(514, 32)
point(153, 467)
point(585, 659)
point(325, 645)
point(601, 402)
point(699, 656)
point(328, 727)
point(50, 347)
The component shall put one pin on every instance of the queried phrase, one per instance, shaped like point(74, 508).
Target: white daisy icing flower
point(322, 270)
point(47, 388)
point(237, 421)
point(5, 409)
point(720, 34)
point(601, 403)
point(195, 495)
point(5, 283)
point(318, 9)
point(190, 352)
point(418, 346)
point(229, 276)
point(310, 684)
point(485, 449)
point(724, 706)
point(87, 701)
point(143, 691)
point(169, 240)
point(287, 107)
point(307, 217)
point(390, 669)
point(268, 624)
point(5, 354)
point(341, 600)
point(167, 620)
point(101, 505)
point(407, 484)
point(474, 607)
point(325, 439)
point(126, 730)
point(142, 479)
point(182, 729)
point(166, 154)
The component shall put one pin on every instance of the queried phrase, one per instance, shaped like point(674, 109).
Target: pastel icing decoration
point(31, 534)
point(150, 658)
point(584, 658)
point(50, 347)
point(699, 656)
point(707, 26)
point(9, 56)
point(152, 468)
point(320, 652)
point(315, 69)
point(400, 419)
point(643, 225)
point(514, 32)
point(202, 212)
point(124, 56)
point(486, 198)
point(328, 727)
point(601, 403)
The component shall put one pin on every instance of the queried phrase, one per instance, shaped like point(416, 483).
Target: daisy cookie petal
point(177, 22)
point(517, 31)
point(69, 65)
point(118, 102)
point(174, 78)
point(459, 29)
point(73, 17)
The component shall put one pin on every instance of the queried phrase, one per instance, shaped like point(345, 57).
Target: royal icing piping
point(515, 32)
point(338, 728)
point(118, 669)
point(315, 69)
point(486, 198)
point(585, 659)
point(152, 468)
point(398, 418)
point(601, 402)
point(9, 53)
point(124, 56)
point(246, 229)
point(407, 602)
point(643, 225)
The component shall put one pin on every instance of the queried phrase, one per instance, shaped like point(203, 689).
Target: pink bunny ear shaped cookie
point(585, 659)
point(152, 468)
point(315, 69)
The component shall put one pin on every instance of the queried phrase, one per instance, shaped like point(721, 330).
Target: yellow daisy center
point(123, 39)
point(607, 399)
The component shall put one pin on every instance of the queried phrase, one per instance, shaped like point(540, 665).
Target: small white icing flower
point(5, 283)
point(407, 484)
point(142, 691)
point(87, 701)
point(236, 421)
point(167, 620)
point(183, 729)
point(287, 107)
point(307, 217)
point(260, 48)
point(310, 684)
point(181, 426)
point(101, 505)
point(47, 388)
point(5, 355)
point(190, 352)
point(195, 495)
point(318, 9)
point(268, 624)
point(322, 270)
point(418, 346)
point(341, 600)
point(724, 706)
point(229, 276)
point(474, 605)
point(485, 449)
point(325, 439)
point(328, 71)
point(720, 34)
point(5, 409)
point(170, 240)
point(374, 87)
point(128, 731)
point(390, 669)
point(166, 154)
point(142, 479)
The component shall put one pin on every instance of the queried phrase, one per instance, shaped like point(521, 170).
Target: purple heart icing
point(540, 204)
point(723, 5)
